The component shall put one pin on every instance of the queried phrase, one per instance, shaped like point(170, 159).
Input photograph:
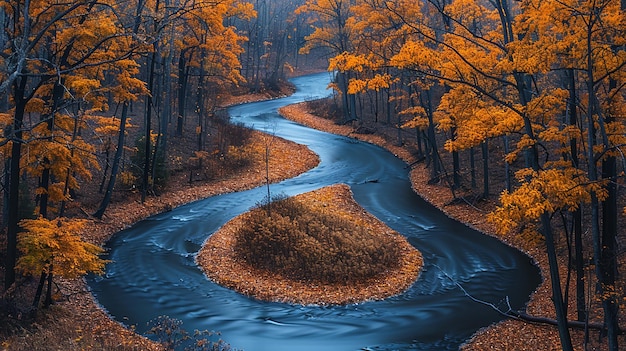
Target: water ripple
point(153, 271)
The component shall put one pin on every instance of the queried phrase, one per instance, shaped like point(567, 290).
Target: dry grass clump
point(221, 262)
point(292, 239)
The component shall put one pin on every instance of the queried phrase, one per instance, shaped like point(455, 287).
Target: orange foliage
point(57, 243)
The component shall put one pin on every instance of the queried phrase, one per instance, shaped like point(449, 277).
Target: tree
point(125, 92)
point(333, 33)
point(52, 57)
point(49, 246)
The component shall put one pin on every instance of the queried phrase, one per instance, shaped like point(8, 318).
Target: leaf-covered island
point(317, 248)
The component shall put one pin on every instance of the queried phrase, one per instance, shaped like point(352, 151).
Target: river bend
point(153, 271)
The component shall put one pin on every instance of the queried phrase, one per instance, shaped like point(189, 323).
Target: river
point(153, 270)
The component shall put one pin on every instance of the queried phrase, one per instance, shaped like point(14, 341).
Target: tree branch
point(524, 317)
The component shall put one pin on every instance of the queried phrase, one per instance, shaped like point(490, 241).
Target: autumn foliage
point(290, 238)
point(57, 243)
point(533, 89)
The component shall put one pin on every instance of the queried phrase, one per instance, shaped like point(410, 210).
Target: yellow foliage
point(543, 191)
point(57, 244)
point(379, 81)
point(109, 126)
point(419, 119)
point(127, 178)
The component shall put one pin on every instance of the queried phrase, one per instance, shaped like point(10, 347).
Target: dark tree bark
point(147, 157)
point(484, 147)
point(183, 79)
point(432, 141)
point(116, 163)
point(572, 115)
point(20, 100)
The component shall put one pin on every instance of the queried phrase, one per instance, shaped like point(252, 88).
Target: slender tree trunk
point(145, 182)
point(610, 246)
point(19, 89)
point(456, 166)
point(524, 91)
point(107, 161)
point(485, 152)
point(48, 301)
point(343, 84)
point(436, 167)
point(581, 305)
point(37, 298)
point(5, 194)
point(507, 166)
point(116, 162)
point(472, 167)
point(66, 188)
point(182, 93)
point(419, 141)
point(44, 182)
point(557, 297)
point(603, 240)
point(201, 103)
point(608, 258)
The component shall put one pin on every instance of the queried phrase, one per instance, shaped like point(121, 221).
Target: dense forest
point(522, 101)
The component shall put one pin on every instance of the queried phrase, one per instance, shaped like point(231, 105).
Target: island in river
point(221, 263)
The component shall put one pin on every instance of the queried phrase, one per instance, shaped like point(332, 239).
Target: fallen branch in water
point(521, 316)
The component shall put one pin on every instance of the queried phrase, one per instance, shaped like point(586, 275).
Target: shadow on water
point(153, 272)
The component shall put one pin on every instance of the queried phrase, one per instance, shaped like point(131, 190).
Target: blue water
point(154, 273)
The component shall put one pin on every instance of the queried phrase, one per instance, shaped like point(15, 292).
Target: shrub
point(170, 333)
point(301, 244)
point(327, 108)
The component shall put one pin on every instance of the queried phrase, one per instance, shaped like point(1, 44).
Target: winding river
point(153, 272)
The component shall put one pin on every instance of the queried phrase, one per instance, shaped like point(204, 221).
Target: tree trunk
point(472, 167)
point(581, 305)
point(145, 179)
point(484, 146)
point(19, 89)
point(557, 297)
point(608, 252)
point(116, 162)
point(66, 188)
point(436, 167)
point(182, 93)
point(456, 166)
point(44, 181)
point(507, 167)
point(37, 298)
point(603, 240)
point(107, 162)
point(48, 301)
point(201, 104)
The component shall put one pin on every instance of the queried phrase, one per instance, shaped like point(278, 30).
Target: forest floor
point(77, 322)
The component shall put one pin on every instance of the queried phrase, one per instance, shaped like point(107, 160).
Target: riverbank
point(508, 334)
point(76, 321)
